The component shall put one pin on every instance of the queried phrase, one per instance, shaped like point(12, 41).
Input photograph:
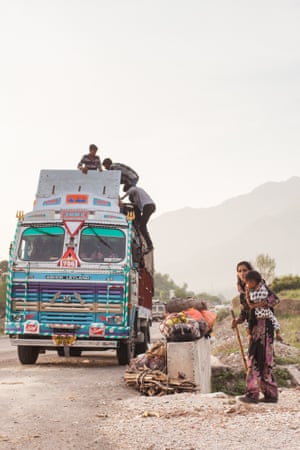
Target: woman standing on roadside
point(260, 351)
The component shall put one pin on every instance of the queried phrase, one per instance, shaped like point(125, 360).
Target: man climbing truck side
point(77, 276)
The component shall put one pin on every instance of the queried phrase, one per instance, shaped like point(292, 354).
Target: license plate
point(63, 339)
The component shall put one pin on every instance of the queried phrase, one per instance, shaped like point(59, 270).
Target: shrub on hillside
point(222, 314)
point(287, 282)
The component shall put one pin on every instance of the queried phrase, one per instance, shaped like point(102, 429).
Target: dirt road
point(82, 403)
point(59, 402)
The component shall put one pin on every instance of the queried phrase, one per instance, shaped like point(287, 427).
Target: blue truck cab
point(77, 276)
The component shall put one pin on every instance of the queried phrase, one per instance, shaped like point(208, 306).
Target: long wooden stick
point(239, 341)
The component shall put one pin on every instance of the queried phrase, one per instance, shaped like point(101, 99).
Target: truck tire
point(142, 347)
point(125, 352)
point(27, 354)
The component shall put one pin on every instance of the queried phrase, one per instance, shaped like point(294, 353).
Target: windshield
point(41, 244)
point(101, 245)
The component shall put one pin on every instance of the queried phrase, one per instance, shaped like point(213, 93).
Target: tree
point(182, 292)
point(266, 266)
point(164, 285)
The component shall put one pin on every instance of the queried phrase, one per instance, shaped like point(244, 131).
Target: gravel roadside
point(195, 421)
point(84, 404)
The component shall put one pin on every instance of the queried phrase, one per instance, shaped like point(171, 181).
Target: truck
point(78, 279)
point(158, 310)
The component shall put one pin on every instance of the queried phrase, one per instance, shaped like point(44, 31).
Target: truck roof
point(73, 189)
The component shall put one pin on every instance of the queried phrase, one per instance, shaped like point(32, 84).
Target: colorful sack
point(210, 317)
point(206, 315)
point(178, 327)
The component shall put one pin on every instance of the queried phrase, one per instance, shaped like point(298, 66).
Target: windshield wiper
point(100, 239)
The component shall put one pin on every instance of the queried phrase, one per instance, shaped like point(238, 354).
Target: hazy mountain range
point(202, 246)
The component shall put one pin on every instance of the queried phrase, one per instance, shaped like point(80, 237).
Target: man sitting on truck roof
point(128, 175)
point(90, 161)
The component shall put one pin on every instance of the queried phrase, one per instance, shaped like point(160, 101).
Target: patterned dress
point(260, 360)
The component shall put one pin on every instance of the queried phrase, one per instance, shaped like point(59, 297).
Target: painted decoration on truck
point(97, 329)
point(74, 214)
point(69, 260)
point(101, 202)
point(111, 216)
point(73, 226)
point(31, 326)
point(52, 202)
point(77, 198)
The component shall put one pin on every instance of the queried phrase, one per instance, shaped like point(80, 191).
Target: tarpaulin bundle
point(154, 358)
point(176, 305)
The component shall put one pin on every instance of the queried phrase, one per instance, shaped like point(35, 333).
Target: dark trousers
point(141, 220)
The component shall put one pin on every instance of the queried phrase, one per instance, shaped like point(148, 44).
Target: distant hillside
point(202, 246)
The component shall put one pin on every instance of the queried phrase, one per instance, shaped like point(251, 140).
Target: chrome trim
point(50, 343)
point(66, 307)
point(21, 305)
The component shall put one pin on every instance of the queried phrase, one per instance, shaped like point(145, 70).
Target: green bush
point(222, 314)
point(287, 282)
point(229, 382)
point(233, 383)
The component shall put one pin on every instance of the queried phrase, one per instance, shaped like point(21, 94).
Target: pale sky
point(200, 97)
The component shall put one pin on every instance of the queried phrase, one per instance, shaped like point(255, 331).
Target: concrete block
point(193, 359)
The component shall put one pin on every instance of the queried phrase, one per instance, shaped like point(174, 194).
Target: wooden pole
point(239, 341)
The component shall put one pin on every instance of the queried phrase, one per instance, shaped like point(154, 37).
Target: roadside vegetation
point(164, 287)
point(233, 382)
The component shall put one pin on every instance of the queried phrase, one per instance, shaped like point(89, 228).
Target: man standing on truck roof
point(128, 175)
point(143, 206)
point(90, 161)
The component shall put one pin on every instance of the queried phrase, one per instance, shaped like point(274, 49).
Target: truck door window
point(101, 245)
point(41, 244)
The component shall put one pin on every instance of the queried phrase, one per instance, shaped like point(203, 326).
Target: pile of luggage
point(187, 319)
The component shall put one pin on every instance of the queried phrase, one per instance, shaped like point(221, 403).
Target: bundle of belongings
point(154, 359)
point(187, 319)
point(148, 374)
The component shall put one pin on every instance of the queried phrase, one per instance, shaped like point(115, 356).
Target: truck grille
point(72, 302)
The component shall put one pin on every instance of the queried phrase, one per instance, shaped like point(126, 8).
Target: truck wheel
point(27, 354)
point(142, 347)
point(125, 352)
